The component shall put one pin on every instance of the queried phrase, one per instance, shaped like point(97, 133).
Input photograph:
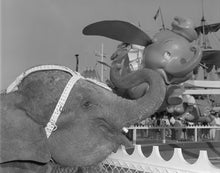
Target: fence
point(122, 162)
point(163, 130)
point(138, 162)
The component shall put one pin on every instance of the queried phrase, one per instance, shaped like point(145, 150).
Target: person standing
point(177, 132)
point(217, 123)
point(173, 132)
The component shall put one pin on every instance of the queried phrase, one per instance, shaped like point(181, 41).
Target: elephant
point(170, 52)
point(89, 128)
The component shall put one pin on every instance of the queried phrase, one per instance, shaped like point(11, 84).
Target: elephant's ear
point(21, 137)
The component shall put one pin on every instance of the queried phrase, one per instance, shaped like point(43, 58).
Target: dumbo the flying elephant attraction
point(173, 53)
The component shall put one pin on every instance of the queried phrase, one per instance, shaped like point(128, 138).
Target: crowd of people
point(177, 131)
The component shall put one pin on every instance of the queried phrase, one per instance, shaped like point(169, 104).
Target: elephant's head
point(173, 53)
point(89, 127)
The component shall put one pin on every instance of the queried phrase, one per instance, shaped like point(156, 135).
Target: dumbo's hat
point(185, 28)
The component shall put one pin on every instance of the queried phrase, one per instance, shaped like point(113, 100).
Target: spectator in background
point(215, 133)
point(173, 132)
point(143, 132)
point(152, 123)
point(177, 132)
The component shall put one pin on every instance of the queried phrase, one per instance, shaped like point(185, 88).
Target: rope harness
point(51, 125)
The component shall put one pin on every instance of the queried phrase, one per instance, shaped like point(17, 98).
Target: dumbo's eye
point(167, 55)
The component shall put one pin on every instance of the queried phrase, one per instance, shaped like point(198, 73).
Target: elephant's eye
point(87, 104)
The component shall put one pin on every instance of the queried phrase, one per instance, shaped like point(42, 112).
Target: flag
point(157, 13)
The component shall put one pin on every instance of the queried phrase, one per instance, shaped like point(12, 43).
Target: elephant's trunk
point(151, 101)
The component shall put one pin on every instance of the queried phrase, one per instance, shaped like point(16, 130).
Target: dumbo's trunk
point(153, 98)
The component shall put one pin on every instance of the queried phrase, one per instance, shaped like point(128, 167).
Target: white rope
point(101, 84)
point(14, 85)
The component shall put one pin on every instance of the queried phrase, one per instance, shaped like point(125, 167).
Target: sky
point(35, 32)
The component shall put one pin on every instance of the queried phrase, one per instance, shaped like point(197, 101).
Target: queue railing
point(137, 162)
point(197, 129)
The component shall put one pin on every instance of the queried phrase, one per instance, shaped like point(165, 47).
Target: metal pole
point(196, 134)
point(203, 21)
point(164, 136)
point(134, 136)
point(102, 64)
point(77, 62)
point(161, 15)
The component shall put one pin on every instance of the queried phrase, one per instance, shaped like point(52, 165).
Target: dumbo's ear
point(22, 138)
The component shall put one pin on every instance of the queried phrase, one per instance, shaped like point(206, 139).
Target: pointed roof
point(208, 28)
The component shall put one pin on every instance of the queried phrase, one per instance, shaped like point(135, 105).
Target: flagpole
point(102, 64)
point(77, 62)
point(102, 56)
point(203, 27)
point(163, 26)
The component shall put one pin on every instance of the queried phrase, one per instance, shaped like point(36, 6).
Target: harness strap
point(14, 85)
point(51, 125)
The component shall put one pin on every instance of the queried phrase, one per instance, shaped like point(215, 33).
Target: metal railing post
point(164, 136)
point(196, 134)
point(134, 136)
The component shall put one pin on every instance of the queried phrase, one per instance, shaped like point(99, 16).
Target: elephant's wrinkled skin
point(89, 127)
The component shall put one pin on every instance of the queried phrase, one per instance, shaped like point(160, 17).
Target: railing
point(122, 162)
point(183, 159)
point(163, 130)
